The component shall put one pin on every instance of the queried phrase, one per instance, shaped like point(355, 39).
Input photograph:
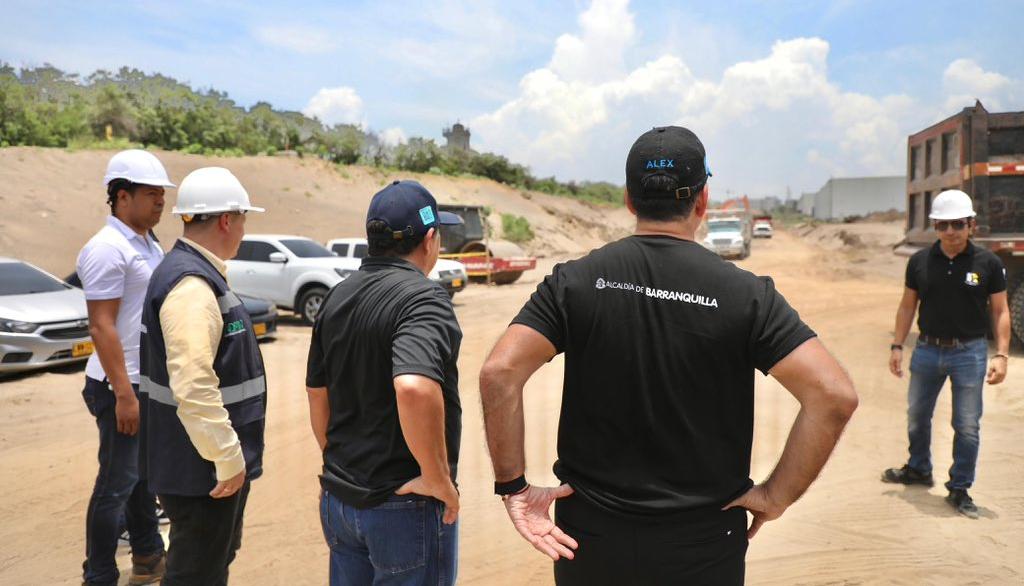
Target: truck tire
point(309, 304)
point(1016, 293)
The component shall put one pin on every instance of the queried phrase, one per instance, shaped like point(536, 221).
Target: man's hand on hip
point(996, 370)
point(226, 488)
point(758, 501)
point(529, 513)
point(126, 410)
point(441, 489)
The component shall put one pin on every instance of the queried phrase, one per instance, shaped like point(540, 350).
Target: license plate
point(259, 329)
point(81, 349)
point(456, 282)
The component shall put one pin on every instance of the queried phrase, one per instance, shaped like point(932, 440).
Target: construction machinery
point(486, 259)
point(981, 153)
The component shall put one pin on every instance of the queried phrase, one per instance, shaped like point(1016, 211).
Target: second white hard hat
point(212, 190)
point(137, 166)
point(952, 204)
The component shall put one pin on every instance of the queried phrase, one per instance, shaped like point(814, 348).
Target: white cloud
point(339, 105)
point(393, 136)
point(965, 81)
point(768, 123)
point(298, 38)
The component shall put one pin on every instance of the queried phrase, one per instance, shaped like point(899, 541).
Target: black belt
point(948, 342)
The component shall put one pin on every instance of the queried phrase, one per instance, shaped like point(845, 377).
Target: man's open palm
point(529, 511)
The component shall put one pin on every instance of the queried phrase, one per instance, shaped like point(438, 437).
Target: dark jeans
point(706, 549)
point(118, 494)
point(964, 365)
point(400, 542)
point(205, 534)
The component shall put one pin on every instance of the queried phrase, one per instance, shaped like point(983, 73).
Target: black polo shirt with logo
point(661, 339)
point(385, 320)
point(954, 292)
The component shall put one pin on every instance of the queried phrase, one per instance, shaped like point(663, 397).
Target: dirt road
point(849, 529)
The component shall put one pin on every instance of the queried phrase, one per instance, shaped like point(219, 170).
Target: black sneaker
point(907, 475)
point(962, 502)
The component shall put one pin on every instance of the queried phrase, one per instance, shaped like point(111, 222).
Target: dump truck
point(727, 230)
point(486, 259)
point(982, 154)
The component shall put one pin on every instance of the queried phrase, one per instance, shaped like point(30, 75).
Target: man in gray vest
point(203, 386)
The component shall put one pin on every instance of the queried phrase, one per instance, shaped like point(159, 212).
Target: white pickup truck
point(292, 271)
point(450, 274)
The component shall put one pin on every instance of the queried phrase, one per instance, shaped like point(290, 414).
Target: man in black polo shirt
point(956, 283)
point(384, 403)
point(661, 339)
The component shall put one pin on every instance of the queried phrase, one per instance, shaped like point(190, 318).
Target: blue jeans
point(118, 495)
point(400, 542)
point(965, 366)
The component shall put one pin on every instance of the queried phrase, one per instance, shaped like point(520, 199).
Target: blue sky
point(784, 93)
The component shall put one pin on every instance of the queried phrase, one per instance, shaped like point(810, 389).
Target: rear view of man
point(203, 384)
point(956, 283)
point(114, 268)
point(383, 390)
point(661, 339)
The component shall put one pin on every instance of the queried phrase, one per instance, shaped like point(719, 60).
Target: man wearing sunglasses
point(959, 285)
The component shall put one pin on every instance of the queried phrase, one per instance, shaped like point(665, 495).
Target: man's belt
point(948, 342)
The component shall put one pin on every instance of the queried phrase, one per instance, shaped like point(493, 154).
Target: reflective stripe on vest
point(229, 395)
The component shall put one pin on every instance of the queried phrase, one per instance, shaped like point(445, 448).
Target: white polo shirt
point(116, 263)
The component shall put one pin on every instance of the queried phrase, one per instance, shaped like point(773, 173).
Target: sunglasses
point(957, 225)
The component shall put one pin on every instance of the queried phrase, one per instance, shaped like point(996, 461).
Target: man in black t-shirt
point(661, 339)
point(384, 404)
point(957, 283)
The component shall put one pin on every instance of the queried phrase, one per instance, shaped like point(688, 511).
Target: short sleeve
point(778, 329)
point(911, 278)
point(316, 376)
point(544, 313)
point(996, 276)
point(426, 338)
point(102, 269)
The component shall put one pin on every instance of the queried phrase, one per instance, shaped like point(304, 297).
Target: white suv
point(292, 271)
point(450, 274)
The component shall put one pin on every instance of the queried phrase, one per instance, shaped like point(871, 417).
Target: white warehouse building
point(848, 197)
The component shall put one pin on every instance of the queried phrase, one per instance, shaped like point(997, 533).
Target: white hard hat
point(212, 190)
point(137, 166)
point(952, 204)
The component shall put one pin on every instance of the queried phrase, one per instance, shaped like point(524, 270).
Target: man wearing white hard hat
point(959, 286)
point(203, 384)
point(115, 267)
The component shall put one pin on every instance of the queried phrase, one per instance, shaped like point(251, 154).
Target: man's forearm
point(319, 413)
point(904, 317)
point(111, 355)
point(421, 415)
point(502, 401)
point(1001, 331)
point(811, 440)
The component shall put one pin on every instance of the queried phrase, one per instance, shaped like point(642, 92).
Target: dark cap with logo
point(672, 152)
point(409, 210)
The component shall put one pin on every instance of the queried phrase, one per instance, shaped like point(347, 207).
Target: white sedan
point(43, 320)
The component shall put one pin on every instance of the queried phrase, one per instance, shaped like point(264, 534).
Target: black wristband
point(511, 487)
point(895, 346)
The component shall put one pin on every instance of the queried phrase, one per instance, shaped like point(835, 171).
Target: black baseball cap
point(669, 151)
point(408, 209)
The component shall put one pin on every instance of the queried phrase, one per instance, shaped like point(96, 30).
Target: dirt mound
point(55, 202)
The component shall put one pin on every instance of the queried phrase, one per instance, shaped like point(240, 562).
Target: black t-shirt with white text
point(385, 320)
point(954, 292)
point(661, 338)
